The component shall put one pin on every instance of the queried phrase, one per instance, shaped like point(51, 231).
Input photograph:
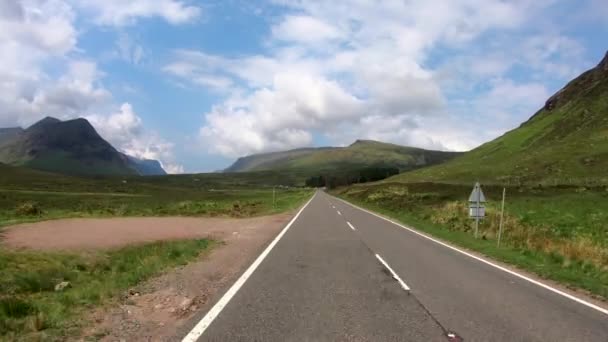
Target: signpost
point(502, 214)
point(476, 209)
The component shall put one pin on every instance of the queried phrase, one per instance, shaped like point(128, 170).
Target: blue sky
point(196, 84)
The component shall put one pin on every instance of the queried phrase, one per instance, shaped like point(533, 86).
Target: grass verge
point(32, 309)
point(29, 206)
point(537, 252)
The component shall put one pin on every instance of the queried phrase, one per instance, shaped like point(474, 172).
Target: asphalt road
point(325, 280)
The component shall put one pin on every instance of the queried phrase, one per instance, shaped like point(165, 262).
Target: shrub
point(15, 308)
point(28, 209)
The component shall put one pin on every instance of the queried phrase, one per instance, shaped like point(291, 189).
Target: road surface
point(342, 274)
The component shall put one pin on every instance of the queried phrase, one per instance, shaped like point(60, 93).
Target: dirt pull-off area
point(86, 234)
point(158, 309)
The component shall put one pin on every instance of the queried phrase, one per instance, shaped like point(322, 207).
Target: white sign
point(476, 209)
point(477, 195)
point(477, 212)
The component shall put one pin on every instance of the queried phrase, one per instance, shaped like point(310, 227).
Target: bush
point(28, 209)
point(15, 308)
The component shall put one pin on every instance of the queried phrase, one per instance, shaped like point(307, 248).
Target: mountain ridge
point(358, 155)
point(69, 147)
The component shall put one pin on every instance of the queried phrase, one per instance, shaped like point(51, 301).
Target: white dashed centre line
point(350, 225)
point(395, 276)
point(339, 213)
point(487, 262)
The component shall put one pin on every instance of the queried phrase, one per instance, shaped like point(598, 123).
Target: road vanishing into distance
point(340, 273)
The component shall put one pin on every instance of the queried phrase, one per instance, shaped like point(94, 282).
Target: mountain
point(361, 154)
point(267, 161)
point(146, 167)
point(8, 134)
point(69, 147)
point(565, 142)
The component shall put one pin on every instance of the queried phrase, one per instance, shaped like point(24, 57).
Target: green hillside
point(566, 142)
point(361, 154)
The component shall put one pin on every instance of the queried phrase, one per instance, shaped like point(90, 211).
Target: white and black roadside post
point(476, 209)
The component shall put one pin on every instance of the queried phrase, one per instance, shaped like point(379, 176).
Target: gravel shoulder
point(88, 234)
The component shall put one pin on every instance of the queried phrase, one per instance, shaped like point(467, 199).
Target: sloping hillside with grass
point(361, 154)
point(566, 142)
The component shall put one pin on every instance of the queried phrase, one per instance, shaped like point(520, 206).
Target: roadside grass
point(30, 206)
point(31, 309)
point(557, 233)
point(29, 195)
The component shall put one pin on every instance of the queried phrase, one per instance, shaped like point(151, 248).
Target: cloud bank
point(411, 72)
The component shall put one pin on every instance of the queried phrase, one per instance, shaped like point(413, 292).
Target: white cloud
point(32, 34)
point(26, 100)
point(346, 69)
point(74, 92)
point(425, 73)
point(38, 27)
point(510, 103)
point(281, 117)
point(120, 12)
point(304, 29)
point(200, 69)
point(124, 130)
point(129, 50)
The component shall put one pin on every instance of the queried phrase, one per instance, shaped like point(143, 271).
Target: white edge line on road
point(206, 321)
point(395, 276)
point(350, 225)
point(536, 282)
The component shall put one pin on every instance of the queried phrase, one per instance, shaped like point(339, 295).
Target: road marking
point(350, 225)
point(521, 276)
point(395, 276)
point(339, 213)
point(206, 321)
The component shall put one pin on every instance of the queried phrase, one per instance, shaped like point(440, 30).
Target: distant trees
point(347, 177)
point(315, 182)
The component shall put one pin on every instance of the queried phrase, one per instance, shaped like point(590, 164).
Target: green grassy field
point(560, 233)
point(31, 309)
point(27, 195)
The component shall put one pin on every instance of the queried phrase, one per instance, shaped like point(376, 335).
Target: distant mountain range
point(566, 141)
point(361, 154)
point(69, 147)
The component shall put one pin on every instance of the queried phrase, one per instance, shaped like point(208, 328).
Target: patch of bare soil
point(86, 234)
point(158, 309)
